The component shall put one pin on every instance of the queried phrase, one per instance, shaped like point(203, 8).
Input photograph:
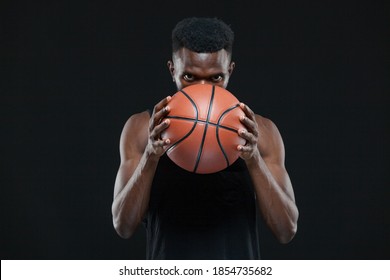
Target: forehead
point(189, 61)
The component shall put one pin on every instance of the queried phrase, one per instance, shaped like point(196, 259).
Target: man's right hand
point(156, 145)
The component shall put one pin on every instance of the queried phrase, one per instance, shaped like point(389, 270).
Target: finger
point(250, 125)
point(244, 149)
point(160, 105)
point(248, 111)
point(248, 136)
point(161, 143)
point(159, 116)
point(156, 131)
point(161, 108)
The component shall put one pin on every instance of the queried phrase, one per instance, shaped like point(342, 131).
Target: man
point(192, 216)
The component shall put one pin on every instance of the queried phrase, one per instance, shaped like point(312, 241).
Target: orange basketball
point(204, 121)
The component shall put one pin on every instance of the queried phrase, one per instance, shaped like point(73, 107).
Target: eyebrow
point(197, 76)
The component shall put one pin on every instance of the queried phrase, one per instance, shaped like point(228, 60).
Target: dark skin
point(263, 152)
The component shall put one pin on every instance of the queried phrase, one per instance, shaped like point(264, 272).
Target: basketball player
point(212, 216)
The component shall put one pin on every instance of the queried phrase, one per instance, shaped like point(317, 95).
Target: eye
point(217, 78)
point(188, 77)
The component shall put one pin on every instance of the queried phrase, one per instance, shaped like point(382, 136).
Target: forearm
point(275, 199)
point(131, 203)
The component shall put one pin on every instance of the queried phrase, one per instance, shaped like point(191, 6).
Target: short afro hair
point(202, 35)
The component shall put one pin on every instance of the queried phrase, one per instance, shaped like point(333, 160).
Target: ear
point(231, 67)
point(171, 68)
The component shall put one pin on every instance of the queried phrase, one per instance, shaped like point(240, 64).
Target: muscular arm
point(264, 155)
point(140, 150)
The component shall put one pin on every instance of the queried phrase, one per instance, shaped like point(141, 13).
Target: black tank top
point(208, 216)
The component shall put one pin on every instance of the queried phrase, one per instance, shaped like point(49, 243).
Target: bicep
point(273, 153)
point(131, 148)
point(282, 178)
point(125, 171)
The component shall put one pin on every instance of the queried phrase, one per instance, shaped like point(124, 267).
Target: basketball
point(203, 130)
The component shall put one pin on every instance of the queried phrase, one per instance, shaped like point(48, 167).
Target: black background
point(73, 72)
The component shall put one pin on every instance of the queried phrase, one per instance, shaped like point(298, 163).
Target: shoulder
point(270, 140)
point(134, 134)
point(136, 121)
point(267, 126)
